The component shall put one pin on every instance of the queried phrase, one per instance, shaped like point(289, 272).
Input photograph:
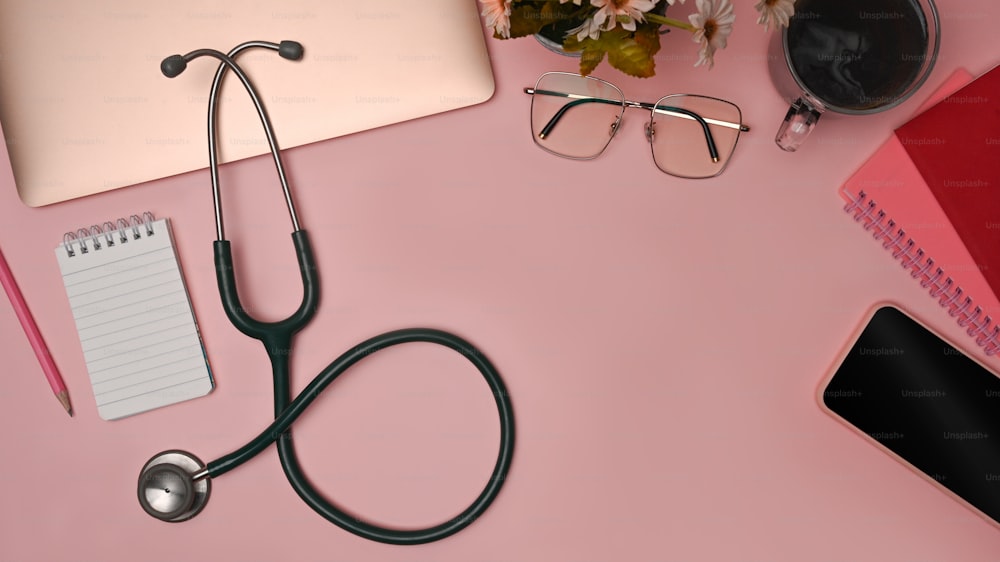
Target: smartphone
point(924, 402)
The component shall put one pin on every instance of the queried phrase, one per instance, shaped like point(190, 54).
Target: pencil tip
point(63, 397)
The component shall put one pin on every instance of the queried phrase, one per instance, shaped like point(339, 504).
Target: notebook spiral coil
point(86, 240)
point(961, 306)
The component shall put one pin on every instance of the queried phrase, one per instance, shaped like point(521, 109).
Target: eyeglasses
point(690, 136)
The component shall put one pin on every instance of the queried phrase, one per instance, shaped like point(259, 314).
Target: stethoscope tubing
point(288, 414)
point(368, 347)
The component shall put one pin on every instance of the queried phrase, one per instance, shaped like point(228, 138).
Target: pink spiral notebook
point(902, 196)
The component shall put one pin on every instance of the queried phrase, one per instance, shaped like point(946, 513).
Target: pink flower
point(713, 23)
point(589, 28)
point(497, 14)
point(775, 12)
point(626, 12)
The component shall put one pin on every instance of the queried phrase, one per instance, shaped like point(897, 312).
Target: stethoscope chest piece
point(168, 489)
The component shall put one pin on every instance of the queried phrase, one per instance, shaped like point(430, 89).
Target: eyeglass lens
point(575, 116)
point(679, 142)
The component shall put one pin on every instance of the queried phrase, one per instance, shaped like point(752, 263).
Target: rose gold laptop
point(85, 109)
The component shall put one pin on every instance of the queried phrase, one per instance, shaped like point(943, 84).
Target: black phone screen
point(927, 402)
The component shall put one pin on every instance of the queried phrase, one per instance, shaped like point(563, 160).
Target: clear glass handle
point(798, 123)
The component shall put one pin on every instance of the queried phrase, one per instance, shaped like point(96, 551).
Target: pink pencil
point(34, 336)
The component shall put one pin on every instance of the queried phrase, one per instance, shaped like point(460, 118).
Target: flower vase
point(551, 37)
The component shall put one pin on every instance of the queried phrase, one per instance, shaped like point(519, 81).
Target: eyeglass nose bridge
point(649, 129)
point(615, 126)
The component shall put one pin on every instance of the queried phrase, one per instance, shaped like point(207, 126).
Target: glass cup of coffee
point(850, 56)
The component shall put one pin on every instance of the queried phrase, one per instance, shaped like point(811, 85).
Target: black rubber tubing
point(277, 341)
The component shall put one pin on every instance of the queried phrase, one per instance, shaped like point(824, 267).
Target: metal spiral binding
point(867, 212)
point(90, 239)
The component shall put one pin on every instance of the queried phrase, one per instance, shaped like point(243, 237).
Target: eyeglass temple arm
point(677, 111)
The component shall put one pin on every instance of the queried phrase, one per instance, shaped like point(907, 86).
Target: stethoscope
point(175, 485)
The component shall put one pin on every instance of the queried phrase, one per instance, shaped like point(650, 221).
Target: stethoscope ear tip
point(173, 65)
point(291, 50)
point(167, 487)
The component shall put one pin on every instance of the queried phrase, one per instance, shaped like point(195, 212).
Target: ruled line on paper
point(182, 359)
point(144, 381)
point(151, 392)
point(152, 356)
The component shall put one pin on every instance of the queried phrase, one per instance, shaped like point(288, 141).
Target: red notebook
point(956, 147)
point(931, 195)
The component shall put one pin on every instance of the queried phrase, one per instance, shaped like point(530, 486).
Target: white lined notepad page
point(136, 325)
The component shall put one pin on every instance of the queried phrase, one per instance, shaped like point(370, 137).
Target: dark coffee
point(857, 54)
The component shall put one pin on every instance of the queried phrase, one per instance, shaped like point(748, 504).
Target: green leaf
point(528, 18)
point(572, 44)
point(589, 60)
point(648, 36)
point(631, 55)
point(525, 20)
point(549, 11)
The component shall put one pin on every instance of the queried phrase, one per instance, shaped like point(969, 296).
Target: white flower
point(497, 14)
point(775, 12)
point(612, 12)
point(671, 2)
point(577, 2)
point(713, 23)
point(589, 28)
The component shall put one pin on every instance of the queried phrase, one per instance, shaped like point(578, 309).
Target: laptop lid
point(85, 109)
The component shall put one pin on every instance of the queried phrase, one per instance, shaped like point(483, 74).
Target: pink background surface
point(662, 341)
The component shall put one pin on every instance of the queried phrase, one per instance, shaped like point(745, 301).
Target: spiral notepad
point(960, 305)
point(136, 326)
point(894, 198)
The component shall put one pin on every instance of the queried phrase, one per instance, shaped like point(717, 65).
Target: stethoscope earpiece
point(172, 488)
point(173, 65)
point(291, 50)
